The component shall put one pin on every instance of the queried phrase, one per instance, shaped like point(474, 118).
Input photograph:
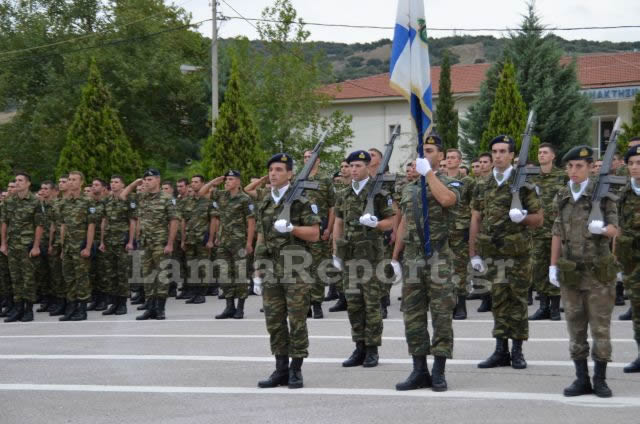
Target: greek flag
point(410, 70)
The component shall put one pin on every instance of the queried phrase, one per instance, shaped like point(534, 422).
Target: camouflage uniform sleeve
point(307, 216)
point(132, 207)
point(95, 212)
point(454, 186)
point(3, 213)
point(331, 195)
point(611, 213)
point(477, 198)
point(531, 201)
point(213, 210)
point(338, 205)
point(557, 225)
point(249, 207)
point(406, 198)
point(39, 218)
point(172, 209)
point(383, 206)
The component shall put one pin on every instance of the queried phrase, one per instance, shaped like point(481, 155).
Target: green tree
point(235, 143)
point(446, 116)
point(96, 143)
point(630, 131)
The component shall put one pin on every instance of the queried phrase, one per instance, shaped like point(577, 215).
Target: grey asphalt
point(194, 369)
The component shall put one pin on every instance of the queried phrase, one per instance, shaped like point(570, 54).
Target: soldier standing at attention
point(98, 278)
point(582, 263)
point(158, 219)
point(55, 248)
point(359, 237)
point(548, 183)
point(427, 284)
point(285, 296)
point(499, 234)
point(22, 228)
point(6, 290)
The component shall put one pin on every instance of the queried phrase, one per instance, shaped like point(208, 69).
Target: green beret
point(579, 153)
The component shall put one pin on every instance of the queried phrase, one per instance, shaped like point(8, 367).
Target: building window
point(392, 129)
point(605, 130)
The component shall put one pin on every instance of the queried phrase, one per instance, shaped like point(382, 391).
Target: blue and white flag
point(410, 70)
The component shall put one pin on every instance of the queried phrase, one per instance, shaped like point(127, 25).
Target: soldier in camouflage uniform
point(359, 237)
point(158, 219)
point(22, 228)
point(286, 295)
point(182, 187)
point(499, 234)
point(628, 243)
point(459, 237)
point(427, 281)
point(98, 277)
point(79, 216)
point(6, 290)
point(118, 231)
point(43, 274)
point(58, 285)
point(548, 183)
point(583, 266)
point(234, 212)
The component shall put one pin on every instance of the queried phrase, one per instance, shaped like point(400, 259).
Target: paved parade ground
point(194, 369)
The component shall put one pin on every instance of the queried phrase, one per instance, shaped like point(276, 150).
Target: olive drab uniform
point(6, 290)
point(58, 286)
point(362, 243)
point(285, 297)
point(118, 213)
point(459, 237)
point(194, 211)
point(43, 277)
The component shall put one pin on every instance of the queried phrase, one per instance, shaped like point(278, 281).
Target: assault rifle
point(522, 170)
point(380, 177)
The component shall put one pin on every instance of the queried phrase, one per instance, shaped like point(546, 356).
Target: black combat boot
point(229, 311)
point(600, 387)
point(16, 313)
point(485, 306)
point(543, 311)
point(635, 365)
point(8, 307)
point(53, 304)
point(159, 307)
point(554, 309)
point(517, 357)
point(317, 310)
point(582, 385)
point(102, 302)
point(173, 289)
point(80, 313)
point(69, 310)
point(135, 294)
point(357, 357)
point(530, 297)
point(332, 294)
point(121, 309)
point(59, 309)
point(44, 305)
point(111, 310)
point(239, 314)
point(619, 293)
point(145, 305)
point(341, 304)
point(198, 296)
point(371, 357)
point(460, 312)
point(94, 301)
point(626, 316)
point(280, 377)
point(28, 312)
point(419, 376)
point(500, 357)
point(150, 312)
point(439, 384)
point(139, 299)
point(295, 374)
point(185, 293)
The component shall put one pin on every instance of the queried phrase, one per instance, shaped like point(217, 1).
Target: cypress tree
point(446, 116)
point(630, 131)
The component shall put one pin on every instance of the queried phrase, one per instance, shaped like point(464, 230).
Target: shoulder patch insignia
point(173, 201)
point(92, 210)
point(314, 208)
point(251, 207)
point(215, 204)
point(538, 191)
point(455, 184)
point(389, 201)
point(132, 205)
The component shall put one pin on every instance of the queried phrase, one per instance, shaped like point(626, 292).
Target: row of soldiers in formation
point(472, 229)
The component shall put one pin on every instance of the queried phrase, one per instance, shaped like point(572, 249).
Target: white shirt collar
point(506, 173)
point(583, 186)
point(635, 187)
point(361, 185)
point(281, 193)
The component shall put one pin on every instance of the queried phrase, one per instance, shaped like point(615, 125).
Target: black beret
point(151, 172)
point(433, 139)
point(232, 173)
point(359, 155)
point(633, 151)
point(502, 139)
point(281, 158)
point(579, 153)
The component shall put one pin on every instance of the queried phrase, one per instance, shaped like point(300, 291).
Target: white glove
point(478, 264)
point(596, 227)
point(423, 166)
point(517, 215)
point(257, 286)
point(397, 270)
point(553, 275)
point(282, 226)
point(619, 277)
point(337, 263)
point(369, 220)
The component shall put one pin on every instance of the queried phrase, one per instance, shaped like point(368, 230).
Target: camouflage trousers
point(116, 269)
point(58, 288)
point(425, 287)
point(284, 302)
point(43, 277)
point(5, 277)
point(509, 281)
point(632, 282)
point(388, 270)
point(589, 308)
point(319, 252)
point(540, 261)
point(156, 278)
point(23, 273)
point(75, 271)
point(233, 270)
point(194, 274)
point(459, 244)
point(97, 274)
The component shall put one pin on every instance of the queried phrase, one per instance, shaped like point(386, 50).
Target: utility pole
point(214, 65)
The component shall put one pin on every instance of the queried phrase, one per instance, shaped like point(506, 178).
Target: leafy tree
point(630, 131)
point(446, 116)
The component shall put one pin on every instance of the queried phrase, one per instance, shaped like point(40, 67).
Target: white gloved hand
point(478, 264)
point(619, 277)
point(397, 271)
point(282, 226)
point(553, 275)
point(369, 220)
point(337, 263)
point(423, 166)
point(257, 286)
point(596, 227)
point(517, 215)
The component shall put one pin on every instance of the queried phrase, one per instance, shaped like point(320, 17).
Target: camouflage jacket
point(462, 211)
point(233, 213)
point(628, 244)
point(572, 225)
point(54, 218)
point(324, 198)
point(547, 186)
point(22, 216)
point(76, 213)
point(46, 222)
point(195, 213)
point(155, 212)
point(117, 214)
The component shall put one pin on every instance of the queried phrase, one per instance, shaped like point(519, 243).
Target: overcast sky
point(439, 13)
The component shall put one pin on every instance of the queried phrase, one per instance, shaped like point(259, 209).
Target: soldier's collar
point(635, 186)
